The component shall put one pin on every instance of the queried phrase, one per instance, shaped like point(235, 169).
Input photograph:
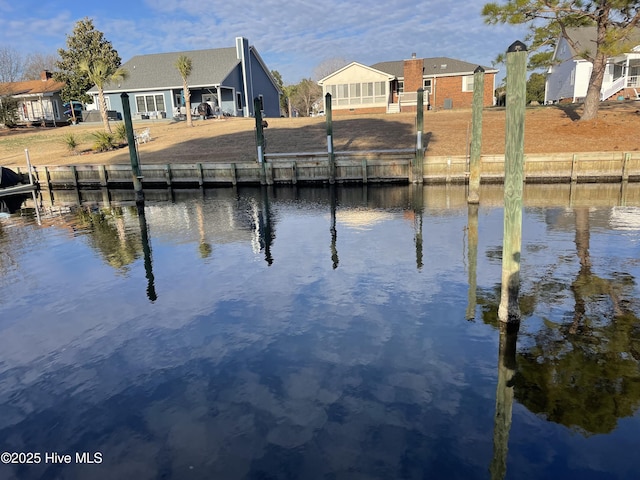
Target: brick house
point(390, 87)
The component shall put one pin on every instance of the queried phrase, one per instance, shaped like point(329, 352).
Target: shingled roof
point(157, 71)
point(585, 39)
point(437, 66)
point(31, 87)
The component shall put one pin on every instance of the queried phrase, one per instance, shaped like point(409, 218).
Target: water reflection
point(146, 249)
point(504, 398)
point(261, 359)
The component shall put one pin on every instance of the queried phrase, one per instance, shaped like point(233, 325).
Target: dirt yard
point(547, 130)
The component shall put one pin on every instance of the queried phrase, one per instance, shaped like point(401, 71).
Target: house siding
point(262, 85)
point(444, 88)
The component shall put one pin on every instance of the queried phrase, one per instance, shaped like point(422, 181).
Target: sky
point(293, 37)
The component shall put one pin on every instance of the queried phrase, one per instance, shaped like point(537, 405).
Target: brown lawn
point(547, 130)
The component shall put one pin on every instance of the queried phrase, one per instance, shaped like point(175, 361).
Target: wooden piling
point(476, 136)
point(509, 310)
point(133, 152)
point(418, 161)
point(259, 130)
point(330, 154)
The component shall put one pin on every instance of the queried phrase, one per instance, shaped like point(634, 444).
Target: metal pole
point(509, 310)
point(330, 153)
point(133, 153)
point(476, 136)
point(26, 153)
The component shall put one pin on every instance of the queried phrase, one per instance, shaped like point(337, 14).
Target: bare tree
point(11, 63)
point(306, 92)
point(328, 66)
point(36, 63)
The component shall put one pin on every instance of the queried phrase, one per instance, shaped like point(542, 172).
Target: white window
point(426, 84)
point(400, 86)
point(467, 83)
point(150, 103)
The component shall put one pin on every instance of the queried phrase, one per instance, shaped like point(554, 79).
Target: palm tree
point(101, 73)
point(184, 66)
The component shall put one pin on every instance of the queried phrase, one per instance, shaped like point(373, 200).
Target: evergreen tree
point(87, 51)
point(614, 21)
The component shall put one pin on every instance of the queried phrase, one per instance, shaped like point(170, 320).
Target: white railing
point(633, 81)
point(612, 89)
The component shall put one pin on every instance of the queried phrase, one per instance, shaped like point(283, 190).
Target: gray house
point(227, 79)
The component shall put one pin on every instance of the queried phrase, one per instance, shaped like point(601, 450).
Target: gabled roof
point(585, 39)
point(31, 87)
point(372, 69)
point(157, 71)
point(437, 66)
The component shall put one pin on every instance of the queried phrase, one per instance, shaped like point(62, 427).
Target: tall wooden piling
point(476, 136)
point(260, 140)
point(259, 130)
point(513, 181)
point(133, 152)
point(330, 154)
point(418, 161)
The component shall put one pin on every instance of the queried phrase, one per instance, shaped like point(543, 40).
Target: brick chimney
point(45, 75)
point(413, 69)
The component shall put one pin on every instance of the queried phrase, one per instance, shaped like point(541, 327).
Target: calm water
point(320, 334)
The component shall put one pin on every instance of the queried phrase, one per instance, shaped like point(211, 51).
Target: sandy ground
point(547, 130)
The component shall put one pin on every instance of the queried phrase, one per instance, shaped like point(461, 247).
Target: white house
point(568, 78)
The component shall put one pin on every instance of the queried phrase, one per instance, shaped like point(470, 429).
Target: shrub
point(71, 142)
point(8, 111)
point(121, 133)
point(103, 142)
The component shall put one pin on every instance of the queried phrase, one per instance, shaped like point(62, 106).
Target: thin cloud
point(292, 37)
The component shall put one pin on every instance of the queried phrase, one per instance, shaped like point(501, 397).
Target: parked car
point(77, 108)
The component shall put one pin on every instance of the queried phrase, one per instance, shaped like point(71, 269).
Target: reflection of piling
point(472, 255)
point(417, 204)
point(330, 153)
point(146, 249)
point(334, 232)
point(265, 227)
point(418, 160)
point(133, 153)
point(504, 399)
point(513, 181)
point(476, 136)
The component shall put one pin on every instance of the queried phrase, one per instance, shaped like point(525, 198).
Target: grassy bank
point(547, 130)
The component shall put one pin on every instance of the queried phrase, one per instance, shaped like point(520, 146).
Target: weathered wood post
point(418, 160)
point(260, 140)
point(476, 136)
point(472, 256)
point(504, 399)
point(513, 181)
point(330, 154)
point(133, 153)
